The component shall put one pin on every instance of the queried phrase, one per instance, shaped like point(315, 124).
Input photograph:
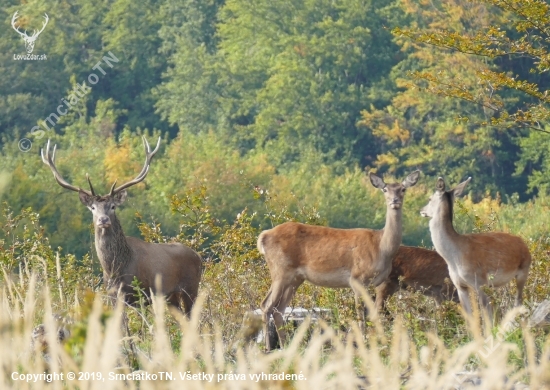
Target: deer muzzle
point(103, 222)
point(395, 204)
point(423, 212)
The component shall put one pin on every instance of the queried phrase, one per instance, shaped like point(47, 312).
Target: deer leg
point(436, 293)
point(267, 309)
point(275, 304)
point(188, 301)
point(383, 292)
point(279, 311)
point(126, 329)
point(485, 304)
point(521, 279)
point(464, 298)
point(359, 309)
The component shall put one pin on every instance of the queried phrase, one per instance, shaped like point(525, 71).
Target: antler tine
point(148, 157)
point(44, 24)
point(113, 187)
point(13, 20)
point(90, 183)
point(50, 162)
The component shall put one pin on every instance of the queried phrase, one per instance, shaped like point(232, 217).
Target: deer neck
point(391, 234)
point(444, 236)
point(113, 250)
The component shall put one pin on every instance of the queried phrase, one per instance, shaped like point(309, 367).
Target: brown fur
point(422, 270)
point(124, 259)
point(475, 260)
point(329, 257)
point(179, 267)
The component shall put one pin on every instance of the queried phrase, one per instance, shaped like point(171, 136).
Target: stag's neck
point(113, 250)
point(391, 234)
point(444, 236)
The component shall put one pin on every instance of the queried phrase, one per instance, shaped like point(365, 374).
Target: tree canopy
point(296, 97)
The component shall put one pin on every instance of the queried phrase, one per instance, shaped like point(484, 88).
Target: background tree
point(509, 79)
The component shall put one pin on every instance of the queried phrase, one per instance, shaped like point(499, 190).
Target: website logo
point(29, 40)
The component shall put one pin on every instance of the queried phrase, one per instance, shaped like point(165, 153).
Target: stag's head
point(394, 192)
point(442, 200)
point(29, 41)
point(102, 206)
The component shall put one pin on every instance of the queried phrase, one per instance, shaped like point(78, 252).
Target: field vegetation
point(269, 112)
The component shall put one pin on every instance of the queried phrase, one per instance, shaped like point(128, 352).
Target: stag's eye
point(403, 190)
point(112, 207)
point(93, 208)
point(385, 189)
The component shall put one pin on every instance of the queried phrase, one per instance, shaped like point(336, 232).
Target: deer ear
point(120, 197)
point(440, 184)
point(376, 181)
point(411, 179)
point(457, 191)
point(86, 199)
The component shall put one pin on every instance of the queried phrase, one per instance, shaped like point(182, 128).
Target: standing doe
point(475, 260)
point(125, 258)
point(421, 269)
point(329, 257)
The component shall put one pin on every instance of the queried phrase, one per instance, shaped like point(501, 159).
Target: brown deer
point(422, 270)
point(475, 260)
point(330, 257)
point(125, 258)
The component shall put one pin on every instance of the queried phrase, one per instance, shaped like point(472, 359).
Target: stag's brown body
point(421, 269)
point(125, 259)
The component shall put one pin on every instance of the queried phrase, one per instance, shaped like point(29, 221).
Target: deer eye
point(112, 207)
point(403, 190)
point(93, 208)
point(385, 189)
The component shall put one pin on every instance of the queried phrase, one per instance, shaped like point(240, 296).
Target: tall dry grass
point(385, 357)
point(419, 345)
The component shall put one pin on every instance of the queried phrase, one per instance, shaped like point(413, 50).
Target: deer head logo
point(29, 41)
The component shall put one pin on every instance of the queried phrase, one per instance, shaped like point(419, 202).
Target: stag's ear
point(120, 197)
point(411, 179)
point(86, 199)
point(440, 184)
point(457, 191)
point(376, 181)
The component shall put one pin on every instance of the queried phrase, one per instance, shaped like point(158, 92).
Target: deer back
point(317, 251)
point(419, 267)
point(495, 257)
point(178, 265)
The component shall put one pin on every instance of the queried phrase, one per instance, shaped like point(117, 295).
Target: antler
point(148, 156)
point(50, 161)
point(13, 19)
point(35, 34)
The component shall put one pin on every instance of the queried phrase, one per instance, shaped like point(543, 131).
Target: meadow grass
point(417, 345)
point(422, 349)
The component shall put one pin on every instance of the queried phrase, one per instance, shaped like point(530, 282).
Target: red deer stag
point(422, 270)
point(330, 257)
point(477, 259)
point(125, 258)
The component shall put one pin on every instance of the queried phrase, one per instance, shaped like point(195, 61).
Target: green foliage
point(509, 56)
point(419, 129)
point(524, 34)
point(300, 79)
point(25, 250)
point(281, 108)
